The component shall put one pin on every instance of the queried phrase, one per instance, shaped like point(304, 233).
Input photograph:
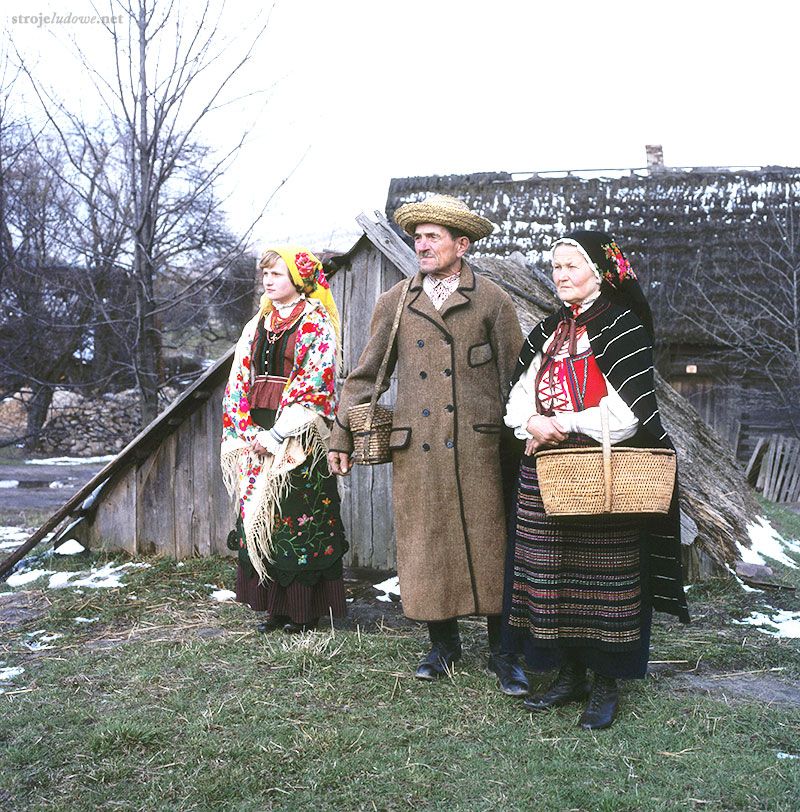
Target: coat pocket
point(399, 438)
point(487, 428)
point(480, 354)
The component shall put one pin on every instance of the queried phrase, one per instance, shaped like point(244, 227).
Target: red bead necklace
point(279, 325)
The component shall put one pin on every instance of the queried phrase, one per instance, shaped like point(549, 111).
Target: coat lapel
point(420, 304)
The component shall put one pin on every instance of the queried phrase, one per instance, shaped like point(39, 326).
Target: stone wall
point(90, 426)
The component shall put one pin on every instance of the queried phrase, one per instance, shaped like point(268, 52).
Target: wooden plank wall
point(367, 492)
point(173, 503)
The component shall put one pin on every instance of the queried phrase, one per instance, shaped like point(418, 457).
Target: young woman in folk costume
point(277, 409)
point(579, 591)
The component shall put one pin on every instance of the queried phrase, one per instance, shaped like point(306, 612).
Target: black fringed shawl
point(624, 353)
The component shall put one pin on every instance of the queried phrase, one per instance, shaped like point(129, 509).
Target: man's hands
point(546, 432)
point(339, 463)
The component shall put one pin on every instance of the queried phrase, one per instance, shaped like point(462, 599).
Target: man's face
point(437, 251)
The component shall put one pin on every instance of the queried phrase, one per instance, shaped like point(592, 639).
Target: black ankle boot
point(437, 662)
point(506, 668)
point(445, 650)
point(602, 706)
point(569, 686)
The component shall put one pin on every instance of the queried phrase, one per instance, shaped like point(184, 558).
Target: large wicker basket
point(370, 437)
point(606, 479)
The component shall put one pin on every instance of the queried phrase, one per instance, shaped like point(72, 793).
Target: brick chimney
point(655, 157)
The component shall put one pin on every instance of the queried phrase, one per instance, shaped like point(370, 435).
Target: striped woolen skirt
point(573, 582)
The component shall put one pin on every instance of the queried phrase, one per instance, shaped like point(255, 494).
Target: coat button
point(449, 443)
point(426, 447)
point(423, 375)
point(450, 407)
point(420, 343)
point(426, 412)
point(448, 372)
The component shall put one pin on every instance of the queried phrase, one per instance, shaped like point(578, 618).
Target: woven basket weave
point(370, 444)
point(590, 481)
point(573, 481)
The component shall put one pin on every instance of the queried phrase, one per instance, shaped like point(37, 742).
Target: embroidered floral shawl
point(258, 484)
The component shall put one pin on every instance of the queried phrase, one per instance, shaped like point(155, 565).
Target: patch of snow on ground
point(42, 643)
point(80, 619)
point(70, 547)
point(7, 674)
point(787, 755)
point(781, 624)
point(8, 533)
point(391, 586)
point(223, 595)
point(57, 483)
point(20, 578)
point(765, 541)
point(9, 483)
point(71, 460)
point(59, 579)
point(107, 577)
point(741, 583)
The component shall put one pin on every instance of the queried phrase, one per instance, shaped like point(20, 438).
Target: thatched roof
point(669, 221)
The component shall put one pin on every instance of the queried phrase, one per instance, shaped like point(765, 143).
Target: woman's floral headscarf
point(613, 271)
point(307, 273)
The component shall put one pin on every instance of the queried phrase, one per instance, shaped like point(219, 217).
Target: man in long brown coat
point(455, 351)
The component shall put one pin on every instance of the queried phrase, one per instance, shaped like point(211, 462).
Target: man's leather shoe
point(569, 686)
point(602, 706)
point(437, 662)
point(513, 681)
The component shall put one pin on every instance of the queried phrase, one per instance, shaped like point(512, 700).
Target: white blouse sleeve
point(521, 404)
point(622, 422)
point(292, 420)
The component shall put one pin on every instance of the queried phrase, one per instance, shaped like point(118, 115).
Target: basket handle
point(385, 361)
point(607, 480)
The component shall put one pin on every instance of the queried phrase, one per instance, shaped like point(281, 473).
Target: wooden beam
point(385, 239)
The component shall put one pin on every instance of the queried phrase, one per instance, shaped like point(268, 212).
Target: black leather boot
point(569, 686)
point(504, 664)
point(445, 650)
point(602, 706)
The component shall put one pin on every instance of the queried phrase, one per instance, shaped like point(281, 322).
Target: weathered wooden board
point(115, 520)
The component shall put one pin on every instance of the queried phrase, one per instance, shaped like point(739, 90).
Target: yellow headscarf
point(306, 272)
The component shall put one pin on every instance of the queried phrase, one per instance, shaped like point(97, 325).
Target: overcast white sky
point(360, 91)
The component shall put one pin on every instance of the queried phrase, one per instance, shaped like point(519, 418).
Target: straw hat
point(443, 210)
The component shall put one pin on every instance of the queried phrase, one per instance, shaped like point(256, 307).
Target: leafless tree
point(148, 187)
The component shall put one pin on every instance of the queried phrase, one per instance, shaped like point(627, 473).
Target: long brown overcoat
point(453, 369)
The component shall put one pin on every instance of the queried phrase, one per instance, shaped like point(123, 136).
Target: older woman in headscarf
point(277, 410)
point(580, 591)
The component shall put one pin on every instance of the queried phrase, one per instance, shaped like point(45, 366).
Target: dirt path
point(24, 486)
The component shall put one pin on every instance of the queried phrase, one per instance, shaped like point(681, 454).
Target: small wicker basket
point(371, 430)
point(371, 424)
point(590, 481)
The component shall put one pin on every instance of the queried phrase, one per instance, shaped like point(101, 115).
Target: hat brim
point(409, 216)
